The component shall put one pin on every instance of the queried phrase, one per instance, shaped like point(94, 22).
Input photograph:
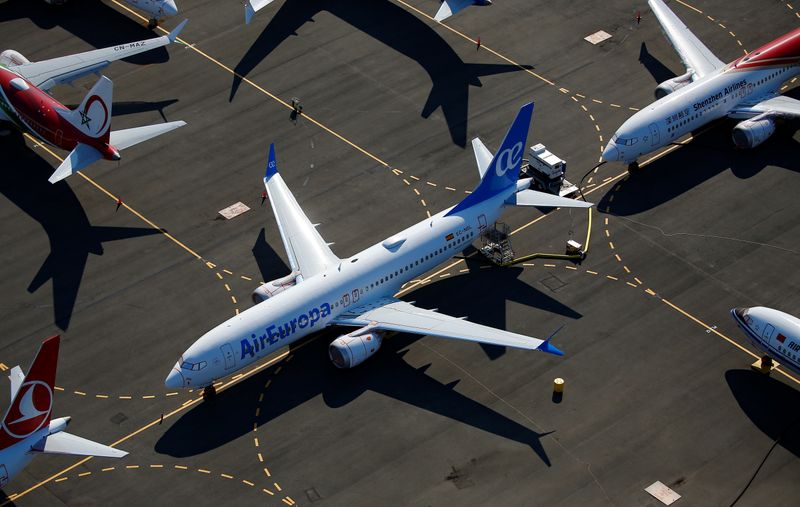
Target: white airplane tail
point(31, 411)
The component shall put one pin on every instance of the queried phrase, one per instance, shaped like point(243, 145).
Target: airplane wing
point(16, 377)
point(390, 314)
point(782, 106)
point(450, 7)
point(694, 54)
point(49, 73)
point(67, 443)
point(308, 253)
point(253, 6)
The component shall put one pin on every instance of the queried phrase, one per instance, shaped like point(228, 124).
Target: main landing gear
point(152, 24)
point(633, 167)
point(209, 392)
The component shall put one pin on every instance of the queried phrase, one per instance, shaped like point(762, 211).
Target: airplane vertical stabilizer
point(93, 116)
point(502, 172)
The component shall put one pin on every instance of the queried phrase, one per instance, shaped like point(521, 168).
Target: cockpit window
point(186, 365)
point(629, 141)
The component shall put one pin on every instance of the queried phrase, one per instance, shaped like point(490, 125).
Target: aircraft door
point(654, 134)
point(769, 330)
point(227, 353)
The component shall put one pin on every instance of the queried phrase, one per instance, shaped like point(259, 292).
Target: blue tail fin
point(503, 171)
point(272, 164)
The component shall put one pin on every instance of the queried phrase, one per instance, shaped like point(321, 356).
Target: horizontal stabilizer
point(483, 157)
point(121, 139)
point(544, 200)
point(67, 443)
point(82, 156)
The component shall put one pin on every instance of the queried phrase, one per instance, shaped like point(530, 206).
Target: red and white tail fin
point(93, 116)
point(32, 406)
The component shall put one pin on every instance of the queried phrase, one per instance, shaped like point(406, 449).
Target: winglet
point(272, 164)
point(174, 33)
point(546, 346)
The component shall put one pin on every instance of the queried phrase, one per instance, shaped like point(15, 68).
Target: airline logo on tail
point(94, 116)
point(31, 409)
point(509, 159)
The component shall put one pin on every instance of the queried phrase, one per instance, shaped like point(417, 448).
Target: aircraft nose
point(175, 379)
point(170, 9)
point(611, 153)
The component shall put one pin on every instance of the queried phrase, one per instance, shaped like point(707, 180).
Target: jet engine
point(671, 85)
point(270, 289)
point(353, 349)
point(11, 58)
point(750, 133)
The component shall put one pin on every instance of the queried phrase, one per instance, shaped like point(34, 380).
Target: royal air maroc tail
point(746, 89)
point(28, 427)
point(358, 292)
point(85, 131)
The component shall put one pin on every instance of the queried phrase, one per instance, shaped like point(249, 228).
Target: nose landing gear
point(633, 167)
point(209, 392)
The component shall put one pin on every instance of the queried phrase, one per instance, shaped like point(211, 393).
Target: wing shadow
point(658, 70)
point(398, 29)
point(57, 209)
point(269, 262)
point(136, 106)
point(770, 404)
point(96, 23)
point(311, 374)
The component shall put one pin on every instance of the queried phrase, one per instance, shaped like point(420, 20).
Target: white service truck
point(548, 172)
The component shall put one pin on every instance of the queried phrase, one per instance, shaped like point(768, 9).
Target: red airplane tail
point(93, 116)
point(32, 395)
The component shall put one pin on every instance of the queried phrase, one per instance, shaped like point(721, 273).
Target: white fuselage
point(775, 333)
point(374, 273)
point(692, 106)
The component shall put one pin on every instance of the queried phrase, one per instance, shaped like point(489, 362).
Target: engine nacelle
point(671, 85)
point(271, 289)
point(353, 349)
point(11, 58)
point(750, 133)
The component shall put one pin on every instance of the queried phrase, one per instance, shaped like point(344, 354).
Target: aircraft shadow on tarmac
point(658, 70)
point(700, 160)
point(72, 238)
point(397, 28)
point(270, 264)
point(310, 374)
point(135, 107)
point(770, 404)
point(95, 22)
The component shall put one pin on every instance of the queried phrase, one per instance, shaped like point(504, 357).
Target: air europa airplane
point(85, 131)
point(745, 89)
point(323, 290)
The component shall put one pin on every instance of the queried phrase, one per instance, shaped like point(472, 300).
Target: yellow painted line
point(650, 291)
point(226, 476)
point(148, 397)
point(57, 480)
point(406, 182)
point(732, 34)
point(397, 172)
point(107, 469)
point(258, 411)
point(156, 466)
point(203, 471)
point(416, 191)
point(633, 108)
point(606, 221)
point(612, 277)
point(611, 245)
point(210, 265)
point(260, 458)
point(247, 482)
point(233, 299)
point(626, 269)
point(80, 393)
point(581, 96)
point(723, 26)
point(266, 471)
point(255, 441)
point(286, 501)
point(268, 492)
point(450, 188)
point(174, 393)
point(444, 275)
point(181, 467)
point(549, 265)
point(689, 6)
point(597, 127)
point(428, 212)
point(716, 332)
point(84, 474)
point(126, 397)
point(637, 280)
point(571, 267)
point(563, 90)
point(261, 397)
point(615, 105)
point(423, 202)
point(598, 101)
point(413, 177)
point(632, 284)
point(619, 259)
point(607, 233)
point(237, 376)
point(584, 108)
point(227, 287)
point(229, 272)
point(101, 396)
point(573, 98)
point(591, 272)
point(267, 383)
point(59, 388)
point(430, 183)
point(710, 18)
point(246, 278)
point(219, 275)
point(290, 499)
point(278, 369)
point(131, 466)
point(277, 486)
point(591, 117)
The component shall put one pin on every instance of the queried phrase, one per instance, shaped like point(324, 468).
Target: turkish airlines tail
point(31, 399)
point(31, 411)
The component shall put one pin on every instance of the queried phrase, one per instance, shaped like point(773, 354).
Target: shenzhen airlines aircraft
point(357, 292)
point(775, 333)
point(28, 429)
point(85, 131)
point(747, 89)
point(447, 9)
